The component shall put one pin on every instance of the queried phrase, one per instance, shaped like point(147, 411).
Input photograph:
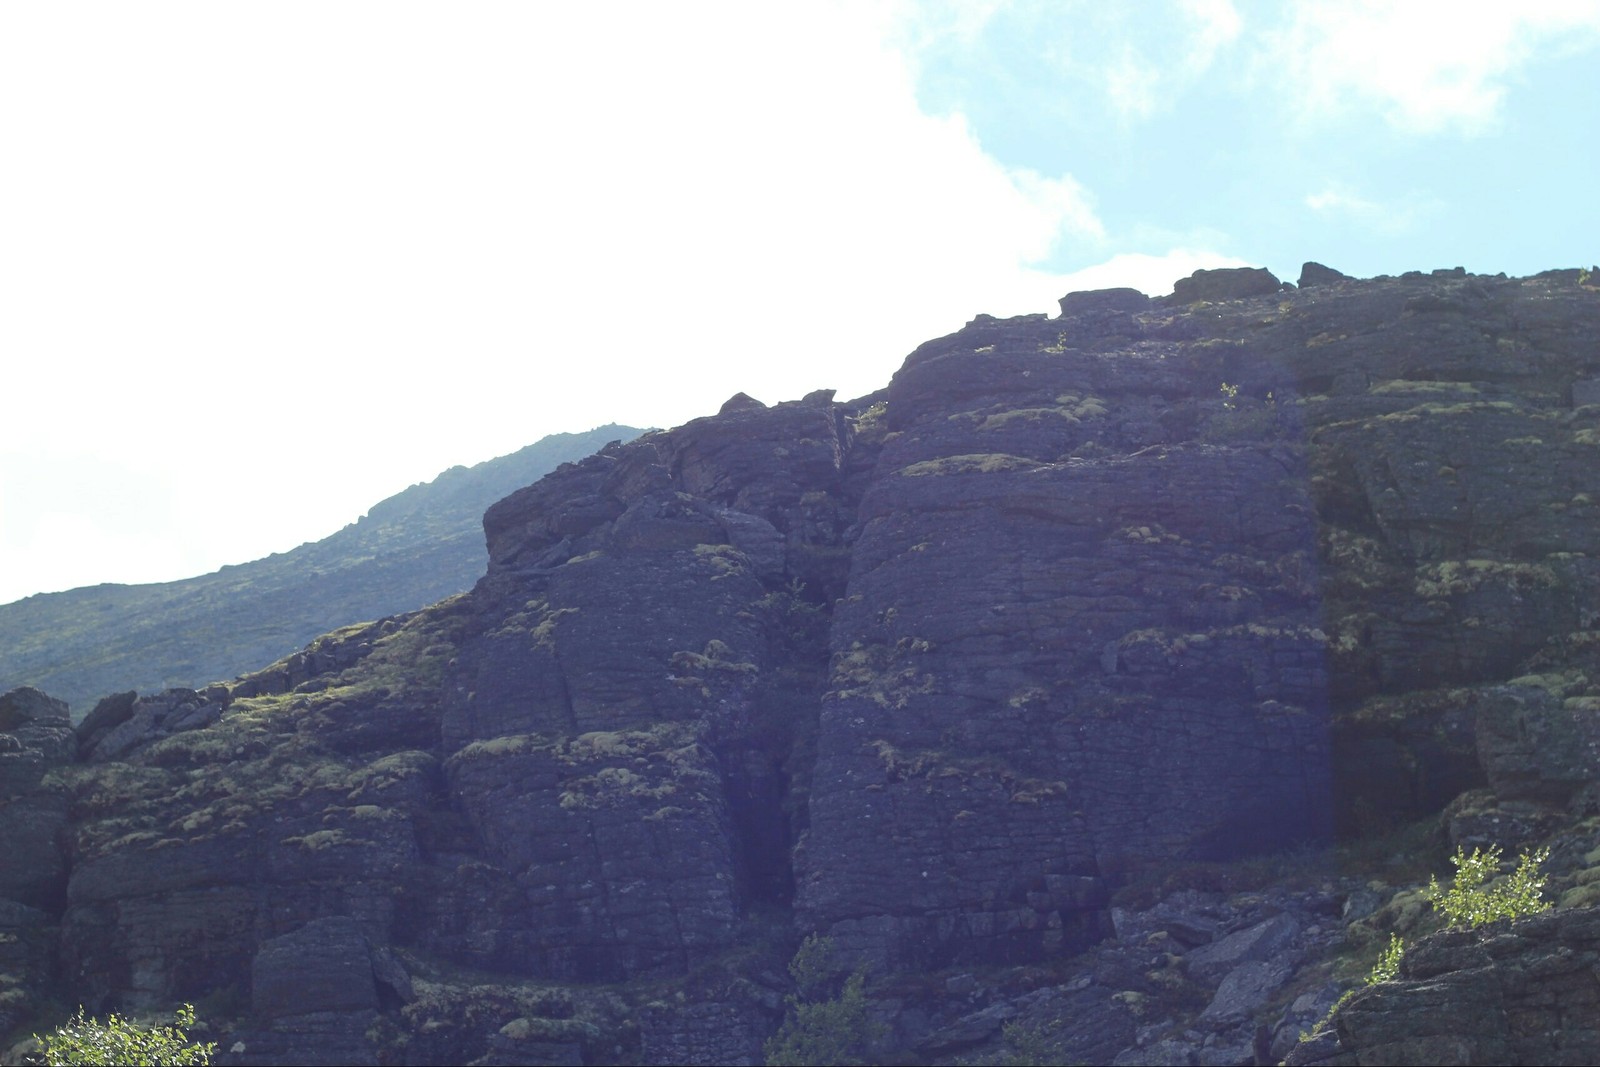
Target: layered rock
point(1057, 590)
point(936, 673)
point(36, 748)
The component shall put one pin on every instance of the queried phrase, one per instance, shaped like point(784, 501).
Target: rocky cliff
point(957, 674)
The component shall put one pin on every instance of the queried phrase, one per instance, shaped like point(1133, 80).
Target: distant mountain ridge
point(407, 551)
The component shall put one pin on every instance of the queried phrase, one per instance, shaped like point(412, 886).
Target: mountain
point(415, 547)
point(1105, 689)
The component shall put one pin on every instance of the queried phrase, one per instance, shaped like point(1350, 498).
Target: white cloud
point(288, 262)
point(1161, 55)
point(1132, 84)
point(1427, 65)
point(1215, 24)
point(1385, 218)
point(1150, 274)
point(1136, 57)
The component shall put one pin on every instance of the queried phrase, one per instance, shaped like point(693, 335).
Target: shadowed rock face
point(37, 740)
point(1076, 638)
point(933, 672)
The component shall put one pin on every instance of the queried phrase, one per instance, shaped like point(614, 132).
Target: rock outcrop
point(1523, 992)
point(957, 674)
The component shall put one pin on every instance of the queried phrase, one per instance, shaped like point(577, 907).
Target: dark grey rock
point(1533, 747)
point(1255, 944)
point(1316, 274)
point(1226, 283)
point(1092, 300)
point(1247, 988)
point(740, 402)
point(325, 966)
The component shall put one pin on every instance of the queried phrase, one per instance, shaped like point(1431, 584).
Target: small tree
point(119, 1041)
point(820, 1029)
point(1471, 901)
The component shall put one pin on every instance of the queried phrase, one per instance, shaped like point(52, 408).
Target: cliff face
point(935, 672)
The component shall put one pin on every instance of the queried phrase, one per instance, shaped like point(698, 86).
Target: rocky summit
point(1102, 689)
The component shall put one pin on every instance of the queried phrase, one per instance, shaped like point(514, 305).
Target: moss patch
point(989, 463)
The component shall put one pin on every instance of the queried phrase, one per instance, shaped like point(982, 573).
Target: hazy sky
point(262, 265)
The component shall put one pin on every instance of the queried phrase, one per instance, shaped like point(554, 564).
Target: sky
point(262, 266)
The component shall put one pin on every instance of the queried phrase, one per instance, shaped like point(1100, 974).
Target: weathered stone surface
point(109, 712)
point(1535, 747)
point(326, 965)
point(1256, 944)
point(1092, 300)
point(27, 963)
point(1247, 988)
point(727, 1030)
point(1022, 621)
point(568, 819)
point(315, 1039)
point(1316, 274)
point(1226, 283)
point(114, 734)
point(33, 800)
point(35, 720)
point(1524, 994)
point(740, 402)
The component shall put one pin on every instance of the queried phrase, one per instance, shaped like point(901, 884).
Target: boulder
point(1247, 988)
point(1316, 274)
point(1256, 944)
point(121, 727)
point(1225, 283)
point(740, 402)
point(1100, 300)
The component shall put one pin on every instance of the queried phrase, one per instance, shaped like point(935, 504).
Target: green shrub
point(1388, 965)
point(819, 1029)
point(1386, 969)
point(119, 1041)
point(1472, 901)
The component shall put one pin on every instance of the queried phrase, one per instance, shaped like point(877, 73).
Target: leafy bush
point(1384, 970)
point(1388, 965)
point(1472, 901)
point(820, 1029)
point(119, 1041)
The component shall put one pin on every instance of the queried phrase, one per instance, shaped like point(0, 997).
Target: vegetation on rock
point(120, 1041)
point(1473, 899)
point(820, 1028)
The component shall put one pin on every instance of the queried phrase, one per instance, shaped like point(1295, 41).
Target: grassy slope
point(412, 549)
